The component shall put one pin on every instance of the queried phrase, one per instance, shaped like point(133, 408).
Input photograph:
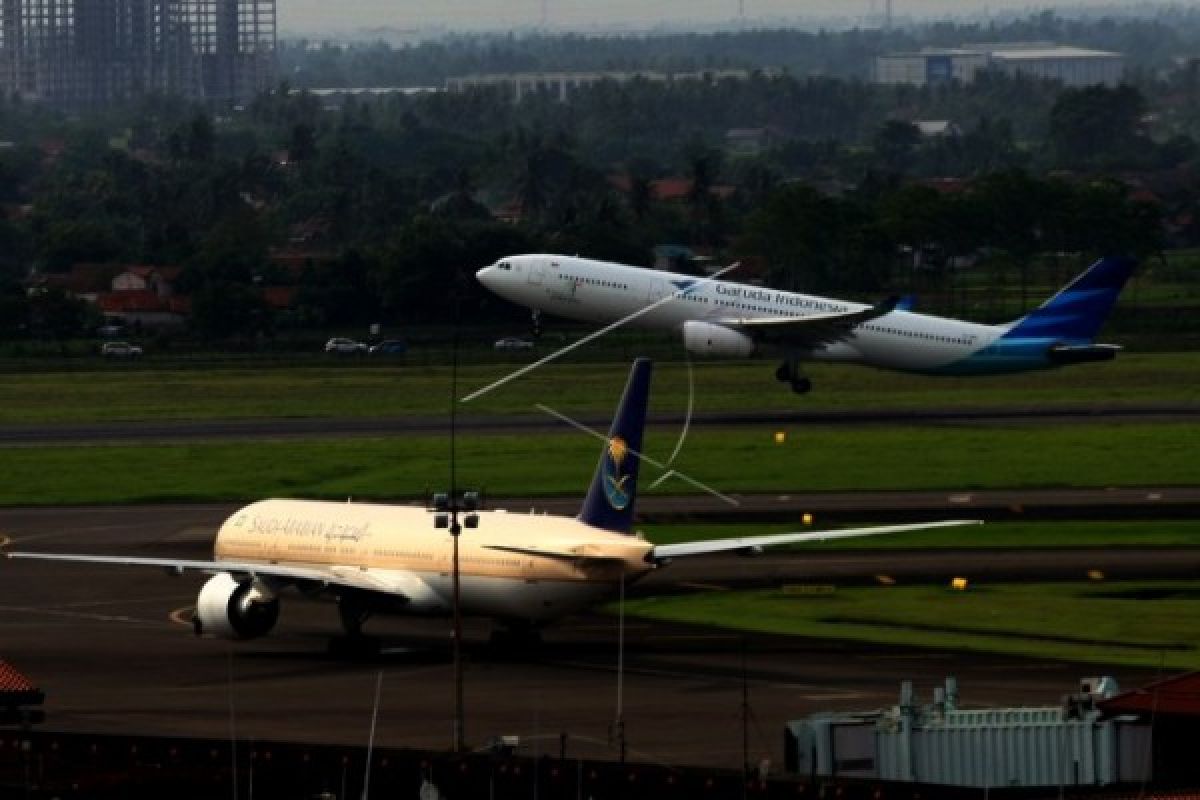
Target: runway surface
point(111, 649)
point(318, 427)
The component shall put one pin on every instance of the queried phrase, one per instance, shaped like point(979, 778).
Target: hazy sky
point(314, 16)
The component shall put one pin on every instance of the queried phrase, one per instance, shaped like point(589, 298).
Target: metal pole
point(371, 738)
point(455, 531)
point(745, 721)
point(620, 722)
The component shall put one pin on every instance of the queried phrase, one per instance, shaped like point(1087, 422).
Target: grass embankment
point(367, 390)
point(735, 460)
point(1129, 624)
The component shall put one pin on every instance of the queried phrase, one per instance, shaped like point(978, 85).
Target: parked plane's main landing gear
point(537, 324)
point(789, 372)
point(354, 644)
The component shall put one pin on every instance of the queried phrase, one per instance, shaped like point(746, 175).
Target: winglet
point(610, 500)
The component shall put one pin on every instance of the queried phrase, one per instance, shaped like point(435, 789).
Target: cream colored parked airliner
point(521, 569)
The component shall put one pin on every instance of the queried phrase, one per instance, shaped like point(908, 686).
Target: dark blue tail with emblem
point(1078, 311)
point(610, 500)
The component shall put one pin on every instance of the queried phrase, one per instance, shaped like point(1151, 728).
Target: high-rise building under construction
point(83, 54)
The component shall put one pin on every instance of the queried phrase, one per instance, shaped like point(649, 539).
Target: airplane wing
point(668, 551)
point(810, 330)
point(335, 576)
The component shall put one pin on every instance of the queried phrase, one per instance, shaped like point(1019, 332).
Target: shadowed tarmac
point(104, 645)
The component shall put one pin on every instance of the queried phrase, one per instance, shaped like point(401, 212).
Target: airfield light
point(780, 437)
point(807, 519)
point(959, 584)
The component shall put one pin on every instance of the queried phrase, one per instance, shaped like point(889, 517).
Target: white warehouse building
point(1073, 66)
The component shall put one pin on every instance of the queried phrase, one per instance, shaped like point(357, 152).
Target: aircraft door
point(537, 272)
point(658, 290)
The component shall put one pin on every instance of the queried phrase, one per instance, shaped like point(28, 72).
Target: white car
point(120, 350)
point(513, 343)
point(344, 347)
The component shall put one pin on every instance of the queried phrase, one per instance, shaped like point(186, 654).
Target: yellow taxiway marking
point(177, 616)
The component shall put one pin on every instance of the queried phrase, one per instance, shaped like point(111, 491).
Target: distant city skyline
point(345, 16)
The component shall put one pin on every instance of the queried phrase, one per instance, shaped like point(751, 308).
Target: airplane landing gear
point(354, 644)
point(789, 372)
point(353, 613)
point(537, 324)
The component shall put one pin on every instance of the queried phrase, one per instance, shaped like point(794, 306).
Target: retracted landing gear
point(789, 372)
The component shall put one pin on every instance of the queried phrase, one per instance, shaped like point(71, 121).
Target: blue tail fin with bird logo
point(610, 500)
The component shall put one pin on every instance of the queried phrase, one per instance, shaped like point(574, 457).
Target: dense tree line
point(401, 195)
point(1153, 40)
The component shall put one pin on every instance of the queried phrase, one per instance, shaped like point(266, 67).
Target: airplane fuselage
point(398, 549)
point(598, 291)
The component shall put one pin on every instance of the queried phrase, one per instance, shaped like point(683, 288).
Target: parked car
point(513, 343)
point(389, 347)
point(342, 346)
point(120, 350)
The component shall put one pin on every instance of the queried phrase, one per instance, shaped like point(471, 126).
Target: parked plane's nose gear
point(801, 385)
point(537, 323)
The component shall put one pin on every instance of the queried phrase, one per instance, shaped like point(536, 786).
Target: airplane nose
point(484, 275)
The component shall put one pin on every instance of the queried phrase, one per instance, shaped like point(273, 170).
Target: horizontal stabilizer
point(561, 555)
point(1067, 354)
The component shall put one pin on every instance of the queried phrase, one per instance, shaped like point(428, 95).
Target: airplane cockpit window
point(504, 265)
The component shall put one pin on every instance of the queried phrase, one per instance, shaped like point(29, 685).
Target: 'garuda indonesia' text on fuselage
point(727, 319)
point(520, 569)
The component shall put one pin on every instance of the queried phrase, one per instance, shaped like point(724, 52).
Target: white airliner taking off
point(521, 569)
point(726, 319)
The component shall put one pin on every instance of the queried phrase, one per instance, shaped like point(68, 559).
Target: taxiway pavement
point(111, 648)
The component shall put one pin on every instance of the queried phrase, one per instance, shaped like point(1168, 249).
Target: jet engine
point(707, 339)
point(233, 610)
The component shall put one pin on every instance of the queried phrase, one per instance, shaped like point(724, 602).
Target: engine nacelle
point(233, 610)
point(707, 339)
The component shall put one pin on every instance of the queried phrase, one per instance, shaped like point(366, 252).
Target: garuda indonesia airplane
point(523, 570)
point(732, 320)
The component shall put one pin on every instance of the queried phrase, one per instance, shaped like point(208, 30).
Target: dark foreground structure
point(45, 765)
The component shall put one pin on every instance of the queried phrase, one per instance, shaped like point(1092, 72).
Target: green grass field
point(734, 460)
point(1118, 624)
point(367, 390)
point(1134, 624)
